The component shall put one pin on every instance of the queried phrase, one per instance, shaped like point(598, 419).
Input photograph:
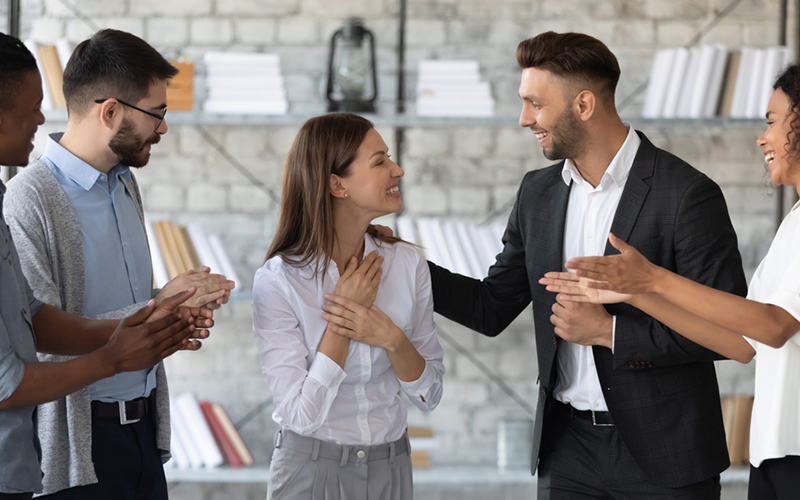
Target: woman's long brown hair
point(325, 145)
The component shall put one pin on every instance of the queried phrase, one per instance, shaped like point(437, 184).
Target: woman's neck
point(349, 234)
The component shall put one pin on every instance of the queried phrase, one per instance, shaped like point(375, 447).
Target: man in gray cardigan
point(111, 346)
point(76, 214)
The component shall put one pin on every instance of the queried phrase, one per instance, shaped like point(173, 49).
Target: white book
point(179, 459)
point(457, 254)
point(702, 81)
point(201, 245)
point(222, 259)
point(447, 78)
point(776, 61)
point(47, 100)
point(233, 82)
point(689, 81)
point(754, 87)
point(498, 230)
point(658, 84)
point(243, 70)
point(160, 275)
point(247, 93)
point(184, 433)
point(441, 243)
point(739, 102)
point(435, 66)
point(427, 108)
point(229, 58)
point(675, 82)
point(428, 241)
point(451, 90)
point(245, 107)
point(406, 230)
point(483, 245)
point(64, 50)
point(476, 270)
point(715, 81)
point(424, 443)
point(203, 438)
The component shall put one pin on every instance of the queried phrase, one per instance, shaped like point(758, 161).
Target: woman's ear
point(338, 190)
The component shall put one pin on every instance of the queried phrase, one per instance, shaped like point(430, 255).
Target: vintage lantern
point(352, 77)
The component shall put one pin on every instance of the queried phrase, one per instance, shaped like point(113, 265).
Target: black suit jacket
point(661, 388)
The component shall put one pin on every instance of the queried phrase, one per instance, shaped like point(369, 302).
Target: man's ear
point(111, 114)
point(585, 104)
point(338, 190)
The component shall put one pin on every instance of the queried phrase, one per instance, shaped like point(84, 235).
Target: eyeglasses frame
point(160, 117)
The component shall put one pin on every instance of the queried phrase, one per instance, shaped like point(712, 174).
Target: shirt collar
point(619, 168)
point(73, 167)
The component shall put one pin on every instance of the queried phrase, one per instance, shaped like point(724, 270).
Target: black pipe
point(13, 18)
point(400, 132)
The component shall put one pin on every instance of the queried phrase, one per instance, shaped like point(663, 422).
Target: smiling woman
point(339, 339)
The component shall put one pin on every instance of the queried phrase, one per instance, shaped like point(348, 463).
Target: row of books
point(464, 248)
point(736, 411)
point(244, 83)
point(203, 435)
point(175, 249)
point(710, 80)
point(452, 88)
point(51, 60)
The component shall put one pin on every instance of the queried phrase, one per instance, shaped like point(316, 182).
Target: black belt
point(597, 418)
point(124, 412)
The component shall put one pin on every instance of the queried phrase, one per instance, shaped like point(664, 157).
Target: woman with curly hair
point(339, 340)
point(766, 324)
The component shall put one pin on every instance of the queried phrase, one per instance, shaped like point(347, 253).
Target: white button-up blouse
point(359, 404)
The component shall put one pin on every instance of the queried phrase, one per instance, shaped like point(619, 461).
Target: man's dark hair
point(15, 62)
point(575, 57)
point(112, 64)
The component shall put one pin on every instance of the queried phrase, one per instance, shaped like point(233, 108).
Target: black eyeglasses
point(160, 117)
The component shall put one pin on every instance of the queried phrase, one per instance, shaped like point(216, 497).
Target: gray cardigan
point(46, 233)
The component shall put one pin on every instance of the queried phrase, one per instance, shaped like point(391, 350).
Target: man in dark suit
point(627, 408)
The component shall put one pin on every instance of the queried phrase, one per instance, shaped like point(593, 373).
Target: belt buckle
point(594, 422)
point(123, 414)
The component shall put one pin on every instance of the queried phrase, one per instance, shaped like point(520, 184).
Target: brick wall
point(464, 171)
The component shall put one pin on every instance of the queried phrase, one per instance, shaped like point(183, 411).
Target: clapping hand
point(202, 317)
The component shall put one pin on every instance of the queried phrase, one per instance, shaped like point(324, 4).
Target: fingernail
point(151, 302)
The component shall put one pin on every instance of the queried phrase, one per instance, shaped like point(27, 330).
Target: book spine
point(219, 435)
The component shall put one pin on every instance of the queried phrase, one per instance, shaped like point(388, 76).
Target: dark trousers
point(16, 496)
point(775, 479)
point(580, 461)
point(126, 461)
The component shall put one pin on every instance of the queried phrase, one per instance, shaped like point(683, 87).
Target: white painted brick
point(761, 34)
point(676, 33)
point(518, 364)
point(489, 11)
point(472, 142)
point(188, 8)
point(211, 31)
point(131, 25)
point(301, 88)
point(503, 171)
point(167, 146)
point(470, 32)
point(78, 31)
point(167, 31)
point(166, 197)
point(191, 142)
point(249, 199)
point(92, 8)
point(677, 9)
point(281, 139)
point(516, 143)
point(602, 30)
point(425, 200)
point(472, 392)
point(466, 370)
point(258, 7)
point(255, 31)
point(46, 30)
point(752, 10)
point(246, 142)
point(504, 196)
point(27, 8)
point(298, 31)
point(427, 143)
point(364, 9)
point(507, 33)
point(425, 33)
point(469, 200)
point(206, 198)
point(729, 33)
point(636, 33)
point(173, 170)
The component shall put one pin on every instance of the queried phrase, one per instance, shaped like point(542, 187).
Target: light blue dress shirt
point(115, 252)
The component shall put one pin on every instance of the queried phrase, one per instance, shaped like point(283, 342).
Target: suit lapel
point(559, 196)
point(634, 194)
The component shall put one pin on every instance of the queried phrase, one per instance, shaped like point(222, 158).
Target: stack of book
point(452, 88)
point(52, 60)
point(708, 81)
point(175, 249)
point(180, 88)
point(464, 248)
point(203, 436)
point(244, 83)
point(422, 441)
point(736, 411)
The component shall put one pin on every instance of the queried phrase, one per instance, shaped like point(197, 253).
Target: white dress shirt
point(590, 212)
point(360, 404)
point(775, 426)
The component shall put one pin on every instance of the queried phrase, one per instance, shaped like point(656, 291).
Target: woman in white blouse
point(339, 340)
point(766, 324)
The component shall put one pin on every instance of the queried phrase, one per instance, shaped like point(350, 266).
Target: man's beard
point(566, 137)
point(129, 148)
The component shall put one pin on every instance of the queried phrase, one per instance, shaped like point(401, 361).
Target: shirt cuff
point(419, 388)
point(613, 333)
point(325, 371)
point(12, 369)
point(789, 302)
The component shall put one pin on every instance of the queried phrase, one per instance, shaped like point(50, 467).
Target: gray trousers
point(307, 468)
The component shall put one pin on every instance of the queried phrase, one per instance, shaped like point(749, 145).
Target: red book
point(219, 435)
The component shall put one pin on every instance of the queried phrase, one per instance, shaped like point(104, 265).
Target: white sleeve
point(426, 391)
point(303, 393)
point(787, 295)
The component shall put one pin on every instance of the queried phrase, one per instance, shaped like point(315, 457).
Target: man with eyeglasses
point(76, 216)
